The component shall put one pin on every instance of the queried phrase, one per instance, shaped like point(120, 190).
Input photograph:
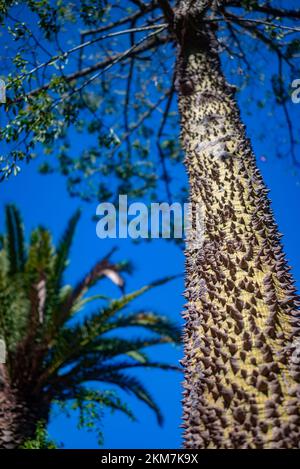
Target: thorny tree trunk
point(18, 416)
point(242, 376)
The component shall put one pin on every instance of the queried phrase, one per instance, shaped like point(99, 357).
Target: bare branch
point(66, 54)
point(239, 45)
point(287, 116)
point(103, 64)
point(269, 10)
point(128, 19)
point(257, 33)
point(266, 23)
point(118, 59)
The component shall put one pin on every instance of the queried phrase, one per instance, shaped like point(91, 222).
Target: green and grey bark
point(242, 371)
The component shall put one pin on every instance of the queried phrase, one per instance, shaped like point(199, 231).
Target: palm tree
point(51, 356)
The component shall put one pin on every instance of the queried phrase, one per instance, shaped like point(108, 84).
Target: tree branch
point(266, 23)
point(148, 8)
point(101, 65)
point(168, 12)
point(268, 10)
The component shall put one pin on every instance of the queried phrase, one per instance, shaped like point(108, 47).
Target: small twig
point(238, 42)
point(127, 98)
point(114, 62)
point(152, 107)
point(127, 19)
point(79, 47)
point(287, 115)
point(269, 10)
point(98, 66)
point(165, 175)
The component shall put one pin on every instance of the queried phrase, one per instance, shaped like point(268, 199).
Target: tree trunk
point(242, 320)
point(18, 416)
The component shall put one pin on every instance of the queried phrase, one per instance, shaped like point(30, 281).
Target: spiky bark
point(241, 375)
point(18, 415)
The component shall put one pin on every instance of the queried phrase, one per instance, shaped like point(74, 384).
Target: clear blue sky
point(44, 200)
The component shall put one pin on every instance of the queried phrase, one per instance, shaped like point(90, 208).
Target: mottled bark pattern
point(18, 418)
point(242, 319)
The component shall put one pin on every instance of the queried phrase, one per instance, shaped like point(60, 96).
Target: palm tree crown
point(54, 355)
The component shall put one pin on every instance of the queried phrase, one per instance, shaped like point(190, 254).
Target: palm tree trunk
point(242, 319)
point(18, 416)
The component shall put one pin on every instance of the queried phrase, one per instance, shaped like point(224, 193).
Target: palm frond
point(91, 404)
point(102, 268)
point(63, 249)
point(91, 369)
point(40, 255)
point(72, 340)
point(37, 270)
point(148, 320)
point(14, 306)
point(81, 303)
point(108, 399)
point(103, 349)
point(134, 386)
point(11, 241)
point(85, 354)
point(125, 382)
point(121, 303)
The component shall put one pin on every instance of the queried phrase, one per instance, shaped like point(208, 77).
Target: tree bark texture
point(241, 334)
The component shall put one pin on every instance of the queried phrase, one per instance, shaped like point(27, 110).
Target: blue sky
point(44, 200)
